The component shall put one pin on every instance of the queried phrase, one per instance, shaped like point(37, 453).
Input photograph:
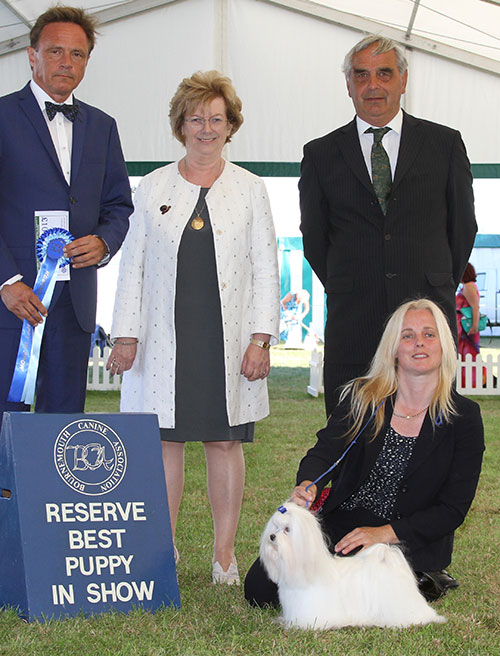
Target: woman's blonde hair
point(368, 392)
point(199, 89)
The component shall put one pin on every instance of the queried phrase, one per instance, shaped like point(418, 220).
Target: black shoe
point(434, 585)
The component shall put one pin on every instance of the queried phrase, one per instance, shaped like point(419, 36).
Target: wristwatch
point(260, 342)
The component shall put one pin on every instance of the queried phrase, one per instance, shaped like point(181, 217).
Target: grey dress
point(200, 389)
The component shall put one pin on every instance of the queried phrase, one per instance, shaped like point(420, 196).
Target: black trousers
point(334, 376)
point(259, 589)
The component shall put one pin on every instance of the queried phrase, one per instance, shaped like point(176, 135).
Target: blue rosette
point(49, 251)
point(51, 243)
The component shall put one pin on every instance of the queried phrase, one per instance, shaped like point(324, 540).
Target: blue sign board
point(84, 519)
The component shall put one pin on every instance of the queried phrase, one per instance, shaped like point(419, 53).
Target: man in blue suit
point(57, 154)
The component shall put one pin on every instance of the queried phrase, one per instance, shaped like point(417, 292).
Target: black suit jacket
point(437, 488)
point(370, 263)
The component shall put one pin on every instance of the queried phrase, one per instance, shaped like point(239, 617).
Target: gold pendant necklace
point(197, 222)
point(409, 416)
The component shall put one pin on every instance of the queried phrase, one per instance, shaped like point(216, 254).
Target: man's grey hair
point(384, 45)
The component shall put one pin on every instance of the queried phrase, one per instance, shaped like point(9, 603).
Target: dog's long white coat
point(375, 587)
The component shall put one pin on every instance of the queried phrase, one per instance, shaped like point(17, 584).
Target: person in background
point(415, 449)
point(468, 341)
point(197, 305)
point(295, 306)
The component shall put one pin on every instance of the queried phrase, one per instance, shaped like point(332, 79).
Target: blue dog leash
point(282, 509)
point(438, 422)
point(353, 442)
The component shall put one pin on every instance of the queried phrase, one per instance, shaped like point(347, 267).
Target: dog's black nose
point(272, 537)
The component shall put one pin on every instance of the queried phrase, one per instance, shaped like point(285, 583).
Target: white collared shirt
point(390, 140)
point(60, 128)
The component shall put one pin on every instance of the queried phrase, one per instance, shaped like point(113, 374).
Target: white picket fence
point(490, 367)
point(315, 387)
point(100, 379)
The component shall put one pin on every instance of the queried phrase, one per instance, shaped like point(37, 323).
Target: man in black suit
point(385, 215)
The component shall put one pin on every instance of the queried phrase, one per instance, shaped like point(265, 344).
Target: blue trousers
point(62, 372)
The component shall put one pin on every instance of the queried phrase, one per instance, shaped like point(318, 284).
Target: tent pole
point(220, 36)
point(416, 5)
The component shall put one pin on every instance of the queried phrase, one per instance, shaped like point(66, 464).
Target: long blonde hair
point(367, 393)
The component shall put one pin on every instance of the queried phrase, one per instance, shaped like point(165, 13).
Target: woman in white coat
point(197, 305)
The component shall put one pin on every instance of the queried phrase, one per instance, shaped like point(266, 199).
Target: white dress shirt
point(60, 128)
point(390, 141)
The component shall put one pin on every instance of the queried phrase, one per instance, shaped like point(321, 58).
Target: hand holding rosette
point(49, 250)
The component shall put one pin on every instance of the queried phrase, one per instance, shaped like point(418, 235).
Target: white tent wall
point(285, 66)
point(287, 69)
point(459, 96)
point(14, 72)
point(136, 67)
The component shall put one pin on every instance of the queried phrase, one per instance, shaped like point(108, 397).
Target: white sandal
point(229, 577)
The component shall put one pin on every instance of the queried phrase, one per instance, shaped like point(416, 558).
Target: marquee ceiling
point(465, 28)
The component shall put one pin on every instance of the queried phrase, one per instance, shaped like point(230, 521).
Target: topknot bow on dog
point(318, 590)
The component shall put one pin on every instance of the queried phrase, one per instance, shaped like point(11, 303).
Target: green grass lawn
point(217, 620)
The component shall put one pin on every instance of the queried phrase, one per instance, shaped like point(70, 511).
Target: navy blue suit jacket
point(98, 197)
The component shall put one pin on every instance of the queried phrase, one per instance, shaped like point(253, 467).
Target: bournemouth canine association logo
point(90, 457)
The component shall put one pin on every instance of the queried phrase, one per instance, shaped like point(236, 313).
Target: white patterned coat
point(247, 272)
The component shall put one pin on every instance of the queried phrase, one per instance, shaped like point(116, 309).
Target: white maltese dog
point(318, 590)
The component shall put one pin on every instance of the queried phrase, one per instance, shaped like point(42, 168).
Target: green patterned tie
point(381, 167)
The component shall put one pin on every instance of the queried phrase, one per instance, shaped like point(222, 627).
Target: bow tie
point(69, 111)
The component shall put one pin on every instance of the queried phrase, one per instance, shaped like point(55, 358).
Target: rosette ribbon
point(49, 250)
